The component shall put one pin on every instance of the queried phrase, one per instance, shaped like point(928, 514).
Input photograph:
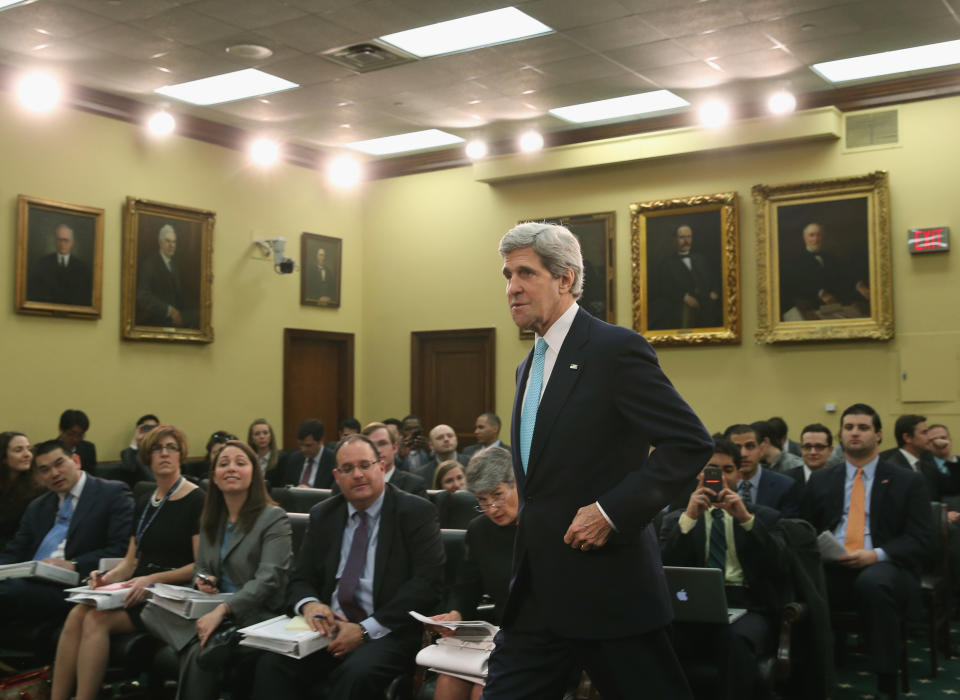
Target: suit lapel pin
point(885, 481)
point(574, 366)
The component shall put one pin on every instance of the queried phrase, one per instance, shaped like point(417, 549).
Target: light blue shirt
point(869, 472)
point(226, 584)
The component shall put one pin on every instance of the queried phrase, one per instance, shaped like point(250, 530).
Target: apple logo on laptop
point(682, 595)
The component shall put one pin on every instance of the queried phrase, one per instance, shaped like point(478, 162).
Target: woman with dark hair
point(261, 438)
point(449, 476)
point(245, 549)
point(17, 487)
point(199, 468)
point(162, 549)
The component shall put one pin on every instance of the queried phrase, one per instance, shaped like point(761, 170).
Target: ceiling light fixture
point(254, 52)
point(477, 149)
point(782, 102)
point(227, 87)
point(530, 141)
point(264, 152)
point(7, 4)
point(484, 29)
point(714, 113)
point(344, 171)
point(889, 62)
point(161, 123)
point(39, 92)
point(401, 143)
point(618, 107)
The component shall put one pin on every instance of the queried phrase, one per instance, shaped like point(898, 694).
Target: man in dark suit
point(758, 485)
point(487, 432)
point(386, 438)
point(74, 425)
point(370, 555)
point(132, 469)
point(780, 430)
point(79, 520)
point(161, 298)
point(881, 571)
point(913, 452)
point(587, 589)
point(718, 530)
point(684, 290)
point(443, 442)
point(61, 277)
point(816, 444)
point(313, 464)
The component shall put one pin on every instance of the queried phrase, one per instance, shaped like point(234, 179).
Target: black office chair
point(935, 585)
point(298, 500)
point(456, 510)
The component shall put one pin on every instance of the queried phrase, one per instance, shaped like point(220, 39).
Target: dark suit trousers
point(26, 600)
point(362, 675)
point(880, 594)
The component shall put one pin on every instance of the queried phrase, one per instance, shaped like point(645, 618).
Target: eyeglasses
point(169, 447)
point(347, 469)
point(814, 447)
point(495, 503)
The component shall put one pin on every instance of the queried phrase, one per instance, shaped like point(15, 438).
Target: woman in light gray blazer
point(245, 549)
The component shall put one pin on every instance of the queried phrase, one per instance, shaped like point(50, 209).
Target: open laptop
point(698, 596)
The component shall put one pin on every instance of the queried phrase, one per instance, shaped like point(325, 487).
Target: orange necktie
point(856, 517)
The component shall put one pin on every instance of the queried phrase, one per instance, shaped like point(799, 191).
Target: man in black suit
point(61, 277)
point(881, 514)
point(161, 297)
point(758, 485)
point(816, 444)
point(718, 530)
point(313, 464)
point(74, 425)
point(780, 430)
point(913, 452)
point(386, 438)
point(443, 442)
point(684, 290)
point(370, 555)
point(79, 520)
point(487, 432)
point(132, 469)
point(588, 588)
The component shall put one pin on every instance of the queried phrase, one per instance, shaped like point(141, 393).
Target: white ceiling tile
point(615, 34)
point(124, 11)
point(568, 14)
point(184, 25)
point(645, 56)
point(57, 20)
point(249, 14)
point(128, 41)
point(694, 19)
point(687, 76)
point(312, 34)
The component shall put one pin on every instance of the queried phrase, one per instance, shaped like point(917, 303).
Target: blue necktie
point(745, 490)
point(717, 556)
point(531, 402)
point(350, 578)
point(57, 533)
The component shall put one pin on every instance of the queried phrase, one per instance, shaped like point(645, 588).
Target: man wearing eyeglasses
point(816, 446)
point(76, 522)
point(371, 554)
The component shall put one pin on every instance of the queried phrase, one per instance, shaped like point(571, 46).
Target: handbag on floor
point(29, 685)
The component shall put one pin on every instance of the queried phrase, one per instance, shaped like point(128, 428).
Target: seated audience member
point(443, 442)
point(913, 452)
point(780, 431)
point(758, 485)
point(487, 432)
point(358, 593)
point(348, 426)
point(718, 530)
point(941, 444)
point(17, 484)
point(881, 571)
point(488, 557)
point(261, 438)
point(244, 550)
point(74, 425)
point(413, 451)
point(386, 438)
point(80, 519)
point(133, 469)
point(161, 549)
point(773, 458)
point(449, 476)
point(313, 464)
point(198, 469)
point(816, 443)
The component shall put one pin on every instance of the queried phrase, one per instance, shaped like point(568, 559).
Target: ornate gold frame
point(767, 200)
point(134, 208)
point(25, 205)
point(640, 215)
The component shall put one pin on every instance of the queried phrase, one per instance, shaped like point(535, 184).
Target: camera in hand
point(713, 479)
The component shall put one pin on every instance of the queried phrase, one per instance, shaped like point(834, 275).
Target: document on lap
point(40, 570)
point(188, 603)
point(102, 598)
point(475, 630)
point(284, 635)
point(464, 654)
point(830, 547)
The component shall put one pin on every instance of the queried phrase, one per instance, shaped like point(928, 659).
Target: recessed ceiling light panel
point(617, 107)
point(401, 143)
point(227, 87)
point(7, 4)
point(465, 33)
point(946, 53)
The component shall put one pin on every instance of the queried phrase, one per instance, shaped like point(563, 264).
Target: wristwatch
point(364, 635)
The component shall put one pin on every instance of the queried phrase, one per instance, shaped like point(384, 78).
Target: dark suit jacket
point(671, 280)
point(56, 285)
point(293, 467)
point(405, 481)
point(899, 510)
point(606, 402)
point(158, 288)
point(427, 469)
point(779, 492)
point(409, 561)
point(100, 526)
point(936, 482)
point(470, 451)
point(762, 555)
point(797, 474)
point(87, 452)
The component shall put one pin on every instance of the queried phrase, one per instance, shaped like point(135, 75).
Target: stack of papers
point(830, 547)
point(464, 654)
point(186, 602)
point(41, 570)
point(284, 635)
point(102, 598)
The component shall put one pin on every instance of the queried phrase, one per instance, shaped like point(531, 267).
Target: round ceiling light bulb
point(344, 171)
point(161, 123)
point(477, 149)
point(782, 102)
point(265, 152)
point(39, 92)
point(531, 141)
point(714, 113)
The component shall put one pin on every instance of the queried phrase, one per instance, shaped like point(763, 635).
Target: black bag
point(220, 647)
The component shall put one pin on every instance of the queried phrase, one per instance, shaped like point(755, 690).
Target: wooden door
point(317, 381)
point(453, 378)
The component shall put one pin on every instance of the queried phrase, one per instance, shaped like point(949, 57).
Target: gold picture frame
point(824, 258)
point(685, 255)
point(59, 259)
point(167, 272)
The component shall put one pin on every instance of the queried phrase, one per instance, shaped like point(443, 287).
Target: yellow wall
point(431, 263)
point(52, 364)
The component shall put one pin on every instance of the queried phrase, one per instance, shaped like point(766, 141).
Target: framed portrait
point(59, 258)
point(320, 258)
point(597, 236)
point(686, 270)
point(823, 250)
point(167, 272)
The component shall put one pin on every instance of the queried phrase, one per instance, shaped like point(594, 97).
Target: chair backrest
point(456, 510)
point(298, 500)
point(454, 546)
point(939, 560)
point(298, 524)
point(142, 489)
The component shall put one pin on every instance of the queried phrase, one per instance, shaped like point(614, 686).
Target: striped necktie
point(531, 402)
point(717, 557)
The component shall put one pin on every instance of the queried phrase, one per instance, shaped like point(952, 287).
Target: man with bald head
point(443, 442)
point(61, 277)
point(684, 291)
point(161, 298)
